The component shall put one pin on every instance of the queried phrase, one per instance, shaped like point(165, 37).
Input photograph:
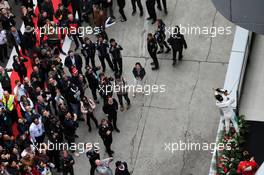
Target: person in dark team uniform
point(152, 49)
point(177, 43)
point(105, 131)
point(88, 51)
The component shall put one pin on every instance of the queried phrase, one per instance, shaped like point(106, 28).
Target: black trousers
point(76, 38)
point(120, 99)
point(139, 5)
point(162, 44)
point(92, 170)
point(102, 60)
point(164, 2)
point(90, 116)
point(40, 139)
point(151, 9)
point(174, 53)
point(68, 170)
point(93, 90)
point(113, 119)
point(89, 58)
point(155, 59)
point(107, 144)
point(122, 13)
point(3, 52)
point(77, 8)
point(118, 65)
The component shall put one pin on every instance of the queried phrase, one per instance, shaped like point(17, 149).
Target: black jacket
point(103, 130)
point(116, 52)
point(89, 49)
point(29, 40)
point(122, 172)
point(111, 109)
point(20, 68)
point(152, 46)
point(78, 62)
point(177, 42)
point(102, 49)
point(92, 79)
point(140, 74)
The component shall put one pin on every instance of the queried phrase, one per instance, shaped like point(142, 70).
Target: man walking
point(152, 49)
point(177, 43)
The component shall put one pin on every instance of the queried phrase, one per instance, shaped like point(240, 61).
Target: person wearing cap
point(121, 168)
point(73, 60)
point(177, 42)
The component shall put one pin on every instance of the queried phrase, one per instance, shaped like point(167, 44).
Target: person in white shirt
point(37, 131)
point(3, 46)
point(223, 102)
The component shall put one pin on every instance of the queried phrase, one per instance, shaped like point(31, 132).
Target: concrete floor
point(186, 112)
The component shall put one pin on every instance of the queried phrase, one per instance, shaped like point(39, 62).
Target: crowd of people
point(49, 104)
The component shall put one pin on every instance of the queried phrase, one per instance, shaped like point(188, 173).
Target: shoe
point(160, 51)
point(152, 63)
point(153, 22)
point(141, 14)
point(154, 68)
point(166, 11)
point(128, 107)
point(81, 119)
point(149, 18)
point(76, 48)
point(117, 130)
point(109, 22)
point(76, 154)
point(90, 129)
point(134, 13)
point(113, 17)
point(96, 101)
point(174, 63)
point(123, 20)
point(168, 50)
point(76, 136)
point(121, 109)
